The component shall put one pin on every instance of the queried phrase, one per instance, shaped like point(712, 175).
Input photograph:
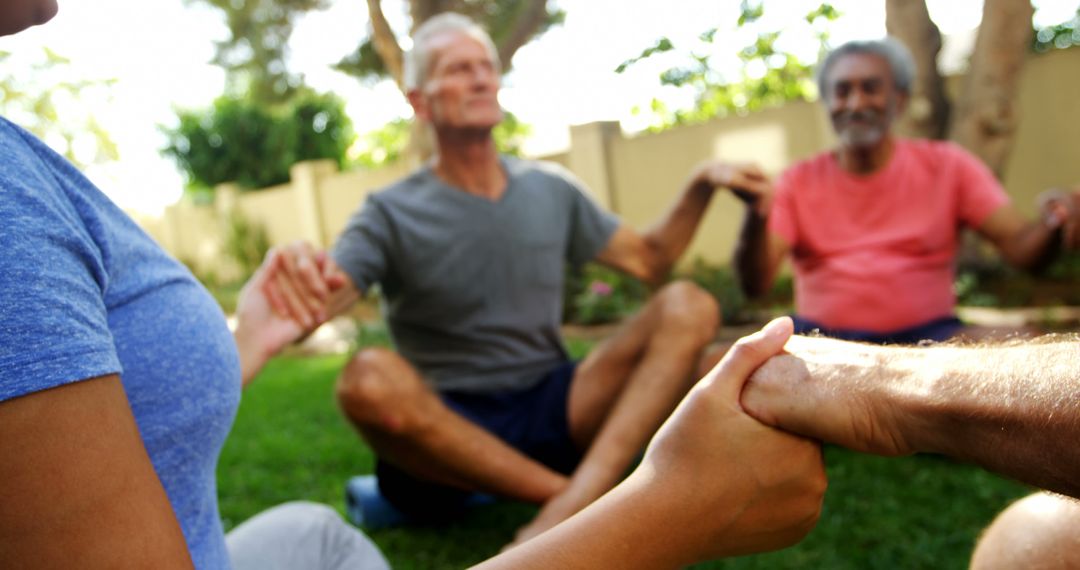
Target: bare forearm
point(1033, 248)
point(252, 355)
point(620, 530)
point(751, 255)
point(1014, 410)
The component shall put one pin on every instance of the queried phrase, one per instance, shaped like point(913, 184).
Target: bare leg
point(625, 389)
point(409, 426)
point(1040, 532)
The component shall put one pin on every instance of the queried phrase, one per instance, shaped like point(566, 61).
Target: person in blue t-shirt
point(119, 382)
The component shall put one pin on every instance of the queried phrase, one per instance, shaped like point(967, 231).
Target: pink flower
point(600, 288)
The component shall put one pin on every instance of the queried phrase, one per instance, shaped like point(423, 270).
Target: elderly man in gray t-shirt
point(469, 252)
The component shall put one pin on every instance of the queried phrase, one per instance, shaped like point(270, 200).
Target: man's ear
point(416, 100)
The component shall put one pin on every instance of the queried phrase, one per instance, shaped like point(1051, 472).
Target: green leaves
point(238, 140)
point(499, 17)
point(58, 109)
point(254, 53)
point(1060, 36)
point(768, 76)
point(662, 45)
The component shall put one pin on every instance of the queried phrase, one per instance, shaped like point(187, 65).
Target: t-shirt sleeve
point(980, 193)
point(591, 227)
point(782, 214)
point(362, 249)
point(54, 326)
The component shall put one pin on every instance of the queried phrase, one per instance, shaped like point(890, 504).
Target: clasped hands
point(1060, 208)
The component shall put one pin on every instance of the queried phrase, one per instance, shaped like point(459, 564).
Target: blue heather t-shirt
point(85, 293)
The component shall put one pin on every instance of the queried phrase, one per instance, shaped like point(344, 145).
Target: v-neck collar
point(504, 163)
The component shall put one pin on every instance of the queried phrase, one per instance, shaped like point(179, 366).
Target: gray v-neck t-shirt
point(473, 288)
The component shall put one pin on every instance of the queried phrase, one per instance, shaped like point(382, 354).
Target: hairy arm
point(1028, 245)
point(73, 496)
point(713, 483)
point(758, 254)
point(651, 254)
point(1012, 409)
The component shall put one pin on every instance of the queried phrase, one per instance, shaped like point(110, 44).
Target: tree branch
point(985, 120)
point(530, 20)
point(928, 109)
point(386, 45)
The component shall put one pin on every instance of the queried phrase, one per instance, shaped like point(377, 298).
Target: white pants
point(301, 536)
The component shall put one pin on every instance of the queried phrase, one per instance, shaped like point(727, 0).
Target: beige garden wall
point(649, 171)
point(639, 177)
point(1047, 146)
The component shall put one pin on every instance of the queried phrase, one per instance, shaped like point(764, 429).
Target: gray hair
point(890, 49)
point(418, 62)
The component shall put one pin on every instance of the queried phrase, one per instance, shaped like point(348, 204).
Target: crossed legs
point(619, 396)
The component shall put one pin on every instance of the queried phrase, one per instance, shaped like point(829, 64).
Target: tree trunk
point(528, 22)
point(985, 119)
point(386, 45)
point(928, 109)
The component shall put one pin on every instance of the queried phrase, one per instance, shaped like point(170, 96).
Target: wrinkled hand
point(281, 288)
point(733, 485)
point(832, 391)
point(746, 180)
point(1060, 208)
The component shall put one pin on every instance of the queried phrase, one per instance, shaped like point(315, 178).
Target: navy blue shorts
point(532, 421)
point(937, 330)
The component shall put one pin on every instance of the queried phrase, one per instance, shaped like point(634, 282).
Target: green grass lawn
point(290, 442)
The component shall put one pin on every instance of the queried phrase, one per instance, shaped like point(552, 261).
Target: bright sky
point(158, 53)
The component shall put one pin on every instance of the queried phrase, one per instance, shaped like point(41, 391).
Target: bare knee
point(1041, 531)
point(369, 389)
point(689, 308)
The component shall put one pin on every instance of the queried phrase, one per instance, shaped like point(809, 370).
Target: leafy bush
point(721, 283)
point(246, 243)
point(597, 295)
point(390, 142)
point(992, 283)
point(239, 141)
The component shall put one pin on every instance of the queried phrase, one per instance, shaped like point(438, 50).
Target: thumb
point(748, 354)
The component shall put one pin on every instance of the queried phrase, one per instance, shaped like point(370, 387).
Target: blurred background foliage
point(768, 76)
point(240, 140)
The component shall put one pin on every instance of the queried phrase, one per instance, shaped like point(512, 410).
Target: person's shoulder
point(517, 167)
point(29, 170)
point(17, 150)
point(542, 175)
point(941, 156)
point(815, 163)
point(934, 149)
point(404, 190)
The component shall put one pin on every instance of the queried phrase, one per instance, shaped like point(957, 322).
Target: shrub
point(246, 243)
point(597, 295)
point(240, 141)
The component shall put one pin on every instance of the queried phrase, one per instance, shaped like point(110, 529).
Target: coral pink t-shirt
point(875, 252)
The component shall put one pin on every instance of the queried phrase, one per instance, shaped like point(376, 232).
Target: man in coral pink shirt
point(873, 226)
